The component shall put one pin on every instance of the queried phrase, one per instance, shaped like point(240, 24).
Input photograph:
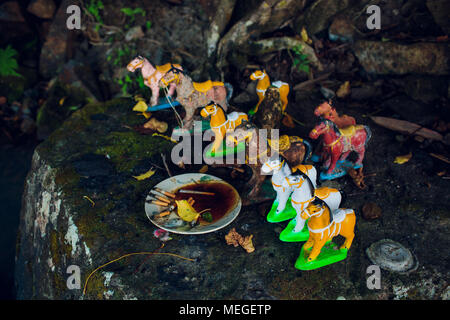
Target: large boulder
point(94, 155)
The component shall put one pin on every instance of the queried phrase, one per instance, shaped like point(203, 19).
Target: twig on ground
point(165, 164)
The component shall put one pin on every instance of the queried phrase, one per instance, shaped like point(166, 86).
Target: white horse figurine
point(152, 75)
point(280, 171)
point(304, 192)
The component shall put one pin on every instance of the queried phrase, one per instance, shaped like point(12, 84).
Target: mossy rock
point(12, 87)
point(62, 101)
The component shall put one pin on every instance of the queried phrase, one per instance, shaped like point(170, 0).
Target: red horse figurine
point(327, 111)
point(338, 143)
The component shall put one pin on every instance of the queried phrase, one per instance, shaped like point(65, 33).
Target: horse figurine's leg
point(261, 98)
point(348, 230)
point(189, 117)
point(155, 93)
point(333, 159)
point(348, 241)
point(360, 151)
point(172, 87)
point(217, 140)
point(284, 91)
point(317, 247)
point(282, 200)
point(344, 155)
point(308, 244)
point(299, 223)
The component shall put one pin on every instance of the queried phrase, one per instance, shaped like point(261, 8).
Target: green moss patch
point(126, 149)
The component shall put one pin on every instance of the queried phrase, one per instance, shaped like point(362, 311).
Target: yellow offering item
point(186, 211)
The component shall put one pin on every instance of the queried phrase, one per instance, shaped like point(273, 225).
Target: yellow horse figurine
point(264, 83)
point(221, 124)
point(322, 229)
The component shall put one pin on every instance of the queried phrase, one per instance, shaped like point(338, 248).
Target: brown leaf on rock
point(235, 239)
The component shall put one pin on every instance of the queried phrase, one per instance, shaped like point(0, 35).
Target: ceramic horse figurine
point(221, 123)
point(302, 195)
point(338, 143)
point(151, 76)
point(263, 84)
point(327, 111)
point(257, 151)
point(280, 170)
point(192, 95)
point(324, 225)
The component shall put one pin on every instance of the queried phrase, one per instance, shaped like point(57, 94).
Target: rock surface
point(440, 9)
point(393, 58)
point(54, 50)
point(94, 155)
point(42, 8)
point(10, 12)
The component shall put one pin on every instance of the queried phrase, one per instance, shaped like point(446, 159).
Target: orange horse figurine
point(327, 111)
point(323, 229)
point(263, 84)
point(221, 124)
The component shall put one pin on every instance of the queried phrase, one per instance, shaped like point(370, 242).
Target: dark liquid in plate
point(221, 203)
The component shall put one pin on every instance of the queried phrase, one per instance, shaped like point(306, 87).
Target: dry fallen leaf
point(146, 175)
point(203, 169)
point(441, 173)
point(305, 36)
point(344, 90)
point(403, 159)
point(235, 239)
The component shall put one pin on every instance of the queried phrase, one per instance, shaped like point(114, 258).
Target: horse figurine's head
point(323, 127)
point(136, 63)
point(325, 110)
point(315, 209)
point(258, 75)
point(173, 74)
point(210, 109)
point(272, 165)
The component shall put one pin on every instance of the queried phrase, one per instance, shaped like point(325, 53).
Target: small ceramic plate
point(173, 223)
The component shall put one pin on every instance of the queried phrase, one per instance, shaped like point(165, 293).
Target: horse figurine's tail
point(369, 135)
point(229, 88)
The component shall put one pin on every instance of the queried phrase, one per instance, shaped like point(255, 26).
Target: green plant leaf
point(127, 11)
point(8, 62)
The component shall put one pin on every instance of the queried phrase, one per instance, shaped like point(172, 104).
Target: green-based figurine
point(323, 226)
point(221, 124)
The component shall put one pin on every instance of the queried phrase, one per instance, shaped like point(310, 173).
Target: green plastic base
point(288, 234)
point(329, 254)
point(286, 214)
point(224, 150)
